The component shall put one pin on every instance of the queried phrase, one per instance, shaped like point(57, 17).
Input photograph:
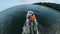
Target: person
point(32, 18)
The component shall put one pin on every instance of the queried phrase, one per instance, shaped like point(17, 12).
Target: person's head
point(32, 14)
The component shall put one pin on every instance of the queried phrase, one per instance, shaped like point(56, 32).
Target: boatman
point(32, 17)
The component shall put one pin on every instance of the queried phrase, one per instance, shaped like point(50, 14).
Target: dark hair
point(32, 14)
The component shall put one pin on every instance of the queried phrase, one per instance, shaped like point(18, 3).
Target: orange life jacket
point(32, 18)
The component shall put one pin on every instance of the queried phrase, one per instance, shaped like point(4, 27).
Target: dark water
point(12, 19)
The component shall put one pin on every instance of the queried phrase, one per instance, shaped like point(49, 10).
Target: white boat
point(29, 26)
